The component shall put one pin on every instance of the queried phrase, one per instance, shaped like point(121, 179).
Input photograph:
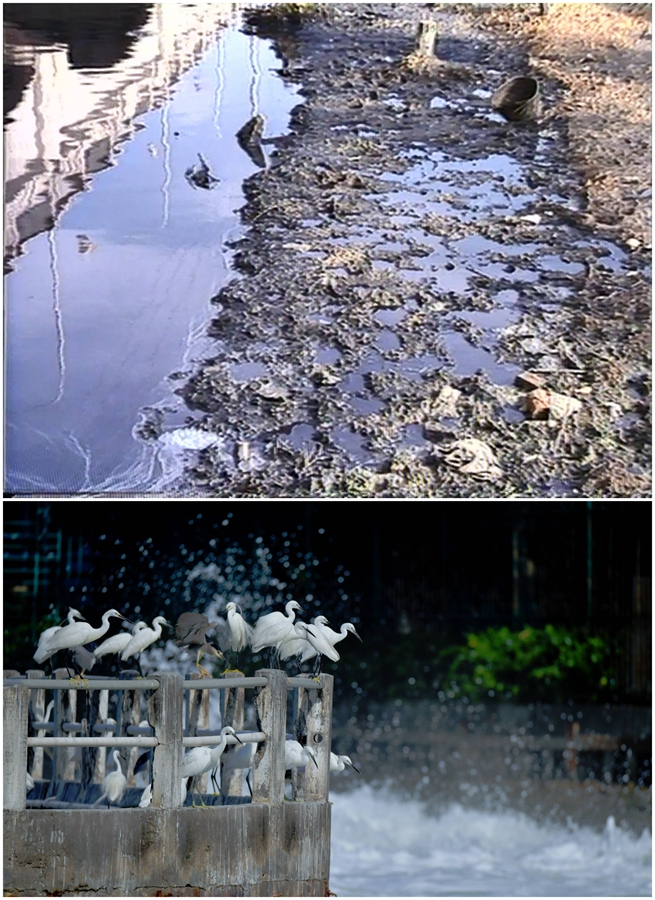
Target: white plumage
point(295, 755)
point(275, 627)
point(241, 634)
point(114, 785)
point(199, 760)
point(339, 763)
point(146, 796)
point(43, 651)
point(144, 638)
point(296, 644)
point(319, 643)
point(117, 642)
point(335, 636)
point(81, 633)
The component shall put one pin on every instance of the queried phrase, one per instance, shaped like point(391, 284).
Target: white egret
point(144, 638)
point(296, 644)
point(239, 758)
point(335, 636)
point(114, 785)
point(339, 763)
point(241, 633)
point(118, 642)
point(199, 760)
point(275, 627)
point(81, 632)
point(295, 755)
point(43, 651)
point(319, 642)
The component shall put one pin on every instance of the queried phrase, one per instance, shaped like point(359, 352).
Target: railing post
point(15, 721)
point(271, 705)
point(37, 707)
point(165, 708)
point(316, 780)
point(198, 718)
point(233, 714)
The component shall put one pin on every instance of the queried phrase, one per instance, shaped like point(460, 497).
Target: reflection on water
point(113, 298)
point(384, 846)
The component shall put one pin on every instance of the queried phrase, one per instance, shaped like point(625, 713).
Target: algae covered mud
point(424, 300)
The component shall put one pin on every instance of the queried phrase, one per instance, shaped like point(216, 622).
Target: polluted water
point(384, 846)
point(112, 270)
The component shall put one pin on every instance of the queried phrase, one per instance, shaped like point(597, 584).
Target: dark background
point(429, 570)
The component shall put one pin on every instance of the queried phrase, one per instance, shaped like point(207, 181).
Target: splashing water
point(384, 846)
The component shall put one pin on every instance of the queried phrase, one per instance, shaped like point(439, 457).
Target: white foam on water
point(383, 846)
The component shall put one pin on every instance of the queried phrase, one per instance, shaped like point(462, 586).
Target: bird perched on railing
point(241, 634)
point(144, 638)
point(78, 633)
point(118, 642)
point(274, 628)
point(191, 630)
point(114, 785)
point(42, 651)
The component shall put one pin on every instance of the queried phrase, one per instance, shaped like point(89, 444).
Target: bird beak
point(314, 758)
point(356, 635)
point(126, 619)
point(238, 739)
point(355, 768)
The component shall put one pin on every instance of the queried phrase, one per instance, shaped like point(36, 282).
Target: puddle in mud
point(243, 372)
point(102, 307)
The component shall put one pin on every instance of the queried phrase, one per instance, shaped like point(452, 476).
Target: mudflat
point(432, 301)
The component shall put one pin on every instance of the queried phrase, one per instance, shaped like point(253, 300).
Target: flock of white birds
point(277, 632)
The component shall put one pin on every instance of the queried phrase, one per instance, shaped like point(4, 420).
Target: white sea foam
point(383, 846)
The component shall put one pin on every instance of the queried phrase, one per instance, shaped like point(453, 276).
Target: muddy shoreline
point(409, 254)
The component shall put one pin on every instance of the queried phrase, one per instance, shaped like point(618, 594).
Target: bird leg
point(78, 678)
point(248, 781)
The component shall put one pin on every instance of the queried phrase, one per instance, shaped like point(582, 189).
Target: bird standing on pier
point(339, 763)
point(43, 651)
point(274, 628)
point(239, 758)
point(191, 630)
point(114, 785)
point(295, 755)
point(144, 638)
point(199, 760)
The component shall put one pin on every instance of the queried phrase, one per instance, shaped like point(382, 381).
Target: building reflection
point(77, 76)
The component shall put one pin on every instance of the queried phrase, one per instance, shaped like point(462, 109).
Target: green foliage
point(551, 663)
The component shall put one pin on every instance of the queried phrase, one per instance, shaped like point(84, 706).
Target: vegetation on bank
point(550, 664)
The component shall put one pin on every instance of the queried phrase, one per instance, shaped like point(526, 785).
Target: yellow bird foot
point(80, 679)
point(204, 673)
point(232, 671)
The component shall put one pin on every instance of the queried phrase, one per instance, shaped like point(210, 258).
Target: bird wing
point(192, 628)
